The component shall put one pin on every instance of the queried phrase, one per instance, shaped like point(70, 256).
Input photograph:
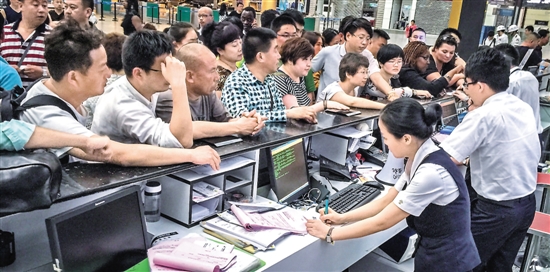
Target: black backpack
point(10, 102)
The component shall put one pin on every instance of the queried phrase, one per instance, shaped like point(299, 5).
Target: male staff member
point(83, 77)
point(500, 137)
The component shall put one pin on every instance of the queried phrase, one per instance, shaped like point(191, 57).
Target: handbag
point(28, 180)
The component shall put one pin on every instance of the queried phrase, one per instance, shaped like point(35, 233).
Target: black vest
point(446, 242)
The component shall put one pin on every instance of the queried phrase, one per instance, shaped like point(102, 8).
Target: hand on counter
point(206, 155)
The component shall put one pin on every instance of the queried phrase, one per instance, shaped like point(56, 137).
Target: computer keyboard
point(352, 197)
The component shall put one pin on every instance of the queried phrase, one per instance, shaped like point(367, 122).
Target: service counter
point(83, 183)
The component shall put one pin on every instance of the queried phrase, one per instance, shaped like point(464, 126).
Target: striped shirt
point(285, 85)
point(13, 46)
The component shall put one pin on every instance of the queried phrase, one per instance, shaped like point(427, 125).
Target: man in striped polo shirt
point(23, 44)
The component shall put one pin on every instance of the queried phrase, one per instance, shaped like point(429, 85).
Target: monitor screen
point(544, 83)
point(108, 234)
point(290, 178)
point(449, 116)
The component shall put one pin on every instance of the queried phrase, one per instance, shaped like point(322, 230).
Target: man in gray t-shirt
point(210, 117)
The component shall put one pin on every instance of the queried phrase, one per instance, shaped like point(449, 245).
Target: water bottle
point(152, 201)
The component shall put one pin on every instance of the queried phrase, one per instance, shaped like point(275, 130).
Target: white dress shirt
point(516, 40)
point(525, 86)
point(431, 183)
point(329, 59)
point(501, 39)
point(502, 141)
point(124, 115)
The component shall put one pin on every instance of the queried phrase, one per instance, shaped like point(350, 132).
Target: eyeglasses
point(362, 38)
point(288, 36)
point(395, 62)
point(204, 15)
point(465, 84)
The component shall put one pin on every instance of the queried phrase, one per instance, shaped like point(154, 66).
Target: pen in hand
point(326, 205)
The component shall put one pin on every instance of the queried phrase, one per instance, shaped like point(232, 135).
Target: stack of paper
point(196, 253)
point(286, 219)
point(203, 191)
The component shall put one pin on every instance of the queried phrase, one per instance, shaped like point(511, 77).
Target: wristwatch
point(328, 238)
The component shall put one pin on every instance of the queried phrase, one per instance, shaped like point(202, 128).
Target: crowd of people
point(144, 97)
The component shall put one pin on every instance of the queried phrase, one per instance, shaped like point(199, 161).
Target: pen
point(326, 205)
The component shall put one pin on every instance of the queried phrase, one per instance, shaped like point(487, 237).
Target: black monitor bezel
point(272, 181)
point(52, 222)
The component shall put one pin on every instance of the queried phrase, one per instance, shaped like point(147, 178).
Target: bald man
point(210, 118)
point(205, 17)
point(526, 50)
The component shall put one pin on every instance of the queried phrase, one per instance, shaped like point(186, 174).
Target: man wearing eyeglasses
point(285, 28)
point(205, 17)
point(126, 111)
point(357, 35)
point(500, 138)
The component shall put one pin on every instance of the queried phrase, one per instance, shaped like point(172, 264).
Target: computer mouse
point(375, 184)
point(362, 127)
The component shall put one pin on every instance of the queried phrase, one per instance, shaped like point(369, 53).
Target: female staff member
point(390, 59)
point(442, 60)
point(431, 195)
point(224, 40)
point(353, 72)
point(416, 61)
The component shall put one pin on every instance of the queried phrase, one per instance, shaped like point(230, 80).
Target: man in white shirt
point(126, 112)
point(357, 35)
point(78, 67)
point(523, 84)
point(501, 139)
point(501, 36)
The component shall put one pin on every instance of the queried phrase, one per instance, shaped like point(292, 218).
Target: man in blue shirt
point(9, 78)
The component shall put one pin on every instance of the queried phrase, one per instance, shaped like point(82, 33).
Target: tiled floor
point(108, 25)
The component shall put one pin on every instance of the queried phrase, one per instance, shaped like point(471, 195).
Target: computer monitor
point(449, 116)
point(108, 234)
point(289, 175)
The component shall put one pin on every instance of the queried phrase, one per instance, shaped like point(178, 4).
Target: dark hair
point(413, 21)
point(451, 30)
point(543, 33)
point(132, 5)
point(510, 53)
point(240, 3)
point(412, 52)
point(217, 35)
point(530, 28)
point(419, 29)
point(257, 40)
point(88, 4)
point(407, 116)
point(68, 41)
point(343, 23)
point(268, 16)
point(329, 34)
point(223, 9)
point(179, 30)
point(297, 16)
point(379, 33)
point(312, 37)
point(113, 46)
point(389, 52)
point(491, 34)
point(295, 49)
point(281, 21)
point(351, 63)
point(251, 9)
point(142, 47)
point(489, 66)
point(353, 25)
point(447, 39)
point(236, 21)
point(149, 26)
